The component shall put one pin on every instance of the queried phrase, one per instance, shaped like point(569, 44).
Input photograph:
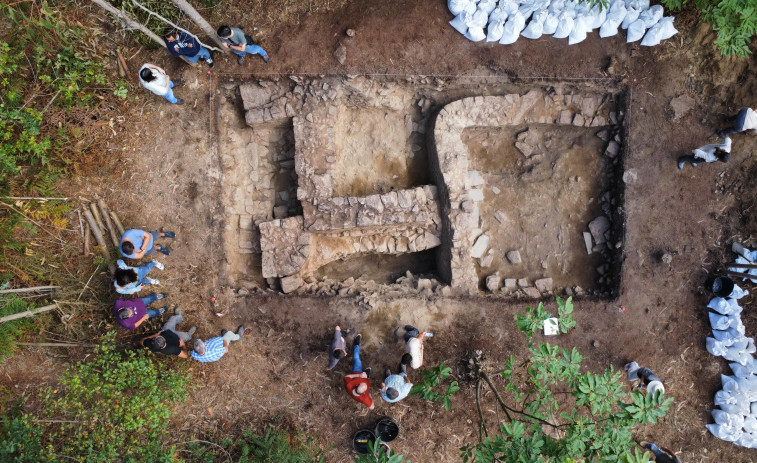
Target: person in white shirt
point(708, 153)
point(156, 80)
point(414, 347)
point(745, 120)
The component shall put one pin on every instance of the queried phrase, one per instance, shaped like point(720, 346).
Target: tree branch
point(175, 26)
point(482, 431)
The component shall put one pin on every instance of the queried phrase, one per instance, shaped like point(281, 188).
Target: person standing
point(240, 43)
point(338, 348)
point(395, 387)
point(179, 43)
point(130, 313)
point(708, 153)
point(130, 280)
point(414, 347)
point(156, 80)
point(135, 244)
point(357, 384)
point(745, 120)
point(170, 341)
point(215, 348)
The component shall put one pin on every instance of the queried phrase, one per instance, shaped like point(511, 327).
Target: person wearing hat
point(358, 383)
point(169, 341)
point(338, 348)
point(661, 454)
point(215, 348)
point(130, 313)
point(645, 376)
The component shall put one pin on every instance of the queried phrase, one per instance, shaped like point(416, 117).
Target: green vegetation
point(378, 454)
point(274, 445)
point(734, 20)
point(432, 387)
point(14, 329)
point(115, 407)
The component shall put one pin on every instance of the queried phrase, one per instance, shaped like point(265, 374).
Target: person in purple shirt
point(130, 313)
point(215, 348)
point(179, 43)
point(135, 244)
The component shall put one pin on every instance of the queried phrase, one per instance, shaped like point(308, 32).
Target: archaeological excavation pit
point(336, 185)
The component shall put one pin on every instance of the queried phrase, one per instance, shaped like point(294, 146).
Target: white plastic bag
point(636, 31)
point(460, 23)
point(513, 26)
point(747, 440)
point(651, 15)
point(487, 5)
point(479, 18)
point(457, 6)
point(715, 347)
point(750, 423)
point(598, 17)
point(475, 34)
point(742, 371)
point(719, 304)
point(564, 27)
point(550, 24)
point(494, 31)
point(661, 31)
point(498, 15)
point(737, 292)
point(614, 19)
point(723, 432)
point(719, 322)
point(633, 9)
point(535, 28)
point(556, 7)
point(581, 27)
point(727, 337)
point(509, 6)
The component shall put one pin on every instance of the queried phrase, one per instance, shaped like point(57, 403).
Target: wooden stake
point(117, 222)
point(54, 344)
point(108, 223)
point(122, 61)
point(27, 313)
point(99, 238)
point(98, 220)
point(87, 237)
point(27, 290)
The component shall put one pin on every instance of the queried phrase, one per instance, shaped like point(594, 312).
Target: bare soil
point(165, 172)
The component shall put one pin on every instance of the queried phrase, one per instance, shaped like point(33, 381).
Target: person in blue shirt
point(215, 348)
point(180, 43)
point(135, 243)
point(237, 41)
point(395, 387)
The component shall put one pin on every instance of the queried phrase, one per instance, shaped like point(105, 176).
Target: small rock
point(523, 283)
point(243, 292)
point(613, 148)
point(495, 190)
point(350, 32)
point(480, 246)
point(511, 283)
point(514, 257)
point(474, 178)
point(290, 283)
point(587, 242)
point(492, 282)
point(598, 227)
point(595, 343)
point(340, 53)
point(532, 292)
point(630, 176)
point(486, 261)
point(500, 216)
point(681, 105)
point(544, 284)
point(667, 258)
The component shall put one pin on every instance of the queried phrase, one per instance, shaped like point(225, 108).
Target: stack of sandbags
point(504, 21)
point(736, 420)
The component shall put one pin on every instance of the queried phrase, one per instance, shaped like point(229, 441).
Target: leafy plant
point(735, 22)
point(115, 407)
point(377, 453)
point(534, 319)
point(11, 331)
point(432, 388)
point(274, 445)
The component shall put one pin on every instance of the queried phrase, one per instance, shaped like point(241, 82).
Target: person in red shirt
point(357, 384)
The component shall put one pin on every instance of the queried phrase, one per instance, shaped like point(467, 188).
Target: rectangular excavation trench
point(362, 137)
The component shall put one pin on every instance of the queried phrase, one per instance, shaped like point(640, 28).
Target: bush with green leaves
point(735, 22)
point(274, 445)
point(11, 331)
point(379, 453)
point(433, 388)
point(115, 407)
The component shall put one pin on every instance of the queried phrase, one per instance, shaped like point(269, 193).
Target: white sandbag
point(753, 409)
point(728, 419)
point(727, 337)
point(651, 15)
point(535, 28)
point(509, 6)
point(747, 440)
point(633, 10)
point(527, 7)
point(494, 31)
point(564, 27)
point(737, 292)
point(457, 6)
point(556, 7)
point(513, 27)
point(498, 15)
point(598, 17)
point(750, 423)
point(715, 347)
point(659, 32)
point(742, 371)
point(550, 24)
point(719, 305)
point(614, 18)
point(723, 432)
point(475, 34)
point(636, 31)
point(741, 407)
point(643, 4)
point(460, 23)
point(720, 416)
point(719, 322)
point(581, 27)
point(729, 384)
point(737, 353)
point(487, 5)
point(747, 386)
point(479, 19)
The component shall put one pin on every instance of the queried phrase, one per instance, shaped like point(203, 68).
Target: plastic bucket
point(361, 439)
point(386, 429)
point(722, 286)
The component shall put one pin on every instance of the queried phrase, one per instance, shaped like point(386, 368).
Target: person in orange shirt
point(357, 384)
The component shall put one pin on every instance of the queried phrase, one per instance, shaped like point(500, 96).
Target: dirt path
point(167, 171)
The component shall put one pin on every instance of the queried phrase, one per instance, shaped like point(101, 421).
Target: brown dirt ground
point(164, 168)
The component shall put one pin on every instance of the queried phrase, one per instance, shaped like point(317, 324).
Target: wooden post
point(99, 238)
point(27, 313)
point(126, 19)
point(108, 223)
point(26, 290)
point(197, 18)
point(98, 220)
point(117, 221)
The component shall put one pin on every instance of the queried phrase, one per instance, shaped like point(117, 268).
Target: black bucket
point(361, 439)
point(722, 286)
point(387, 429)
